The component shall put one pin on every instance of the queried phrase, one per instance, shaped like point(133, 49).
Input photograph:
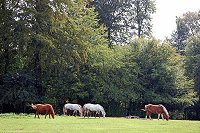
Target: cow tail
point(64, 109)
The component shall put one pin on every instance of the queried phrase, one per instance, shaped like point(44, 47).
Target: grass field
point(27, 123)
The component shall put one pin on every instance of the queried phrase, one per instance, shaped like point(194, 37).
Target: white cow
point(74, 107)
point(94, 108)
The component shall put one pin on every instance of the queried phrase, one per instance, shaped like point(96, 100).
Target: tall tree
point(112, 13)
point(74, 36)
point(180, 36)
point(191, 19)
point(140, 17)
point(125, 18)
point(161, 75)
point(7, 25)
point(192, 65)
point(48, 38)
point(187, 26)
point(136, 74)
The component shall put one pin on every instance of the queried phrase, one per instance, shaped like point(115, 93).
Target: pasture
point(27, 123)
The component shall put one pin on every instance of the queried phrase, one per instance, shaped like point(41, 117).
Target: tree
point(113, 15)
point(181, 35)
point(125, 18)
point(191, 19)
point(18, 90)
point(75, 35)
point(7, 47)
point(186, 27)
point(161, 75)
point(137, 74)
point(47, 38)
point(110, 79)
point(192, 65)
point(140, 17)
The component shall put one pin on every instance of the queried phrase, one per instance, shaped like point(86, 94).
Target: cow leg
point(75, 113)
point(85, 113)
point(35, 114)
point(49, 116)
point(158, 116)
point(88, 114)
point(66, 112)
point(38, 115)
point(150, 117)
point(46, 115)
point(70, 111)
point(147, 113)
point(162, 117)
point(146, 117)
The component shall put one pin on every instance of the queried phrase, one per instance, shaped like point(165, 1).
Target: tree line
point(97, 51)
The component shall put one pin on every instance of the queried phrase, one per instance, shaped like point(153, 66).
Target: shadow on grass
point(90, 118)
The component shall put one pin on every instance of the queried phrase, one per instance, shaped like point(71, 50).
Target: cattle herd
point(89, 108)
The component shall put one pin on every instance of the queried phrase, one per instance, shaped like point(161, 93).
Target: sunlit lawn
point(27, 123)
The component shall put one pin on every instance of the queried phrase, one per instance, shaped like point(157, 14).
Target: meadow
point(27, 123)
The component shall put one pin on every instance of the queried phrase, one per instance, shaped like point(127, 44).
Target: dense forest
point(97, 51)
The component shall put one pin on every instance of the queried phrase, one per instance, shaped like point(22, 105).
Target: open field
point(27, 123)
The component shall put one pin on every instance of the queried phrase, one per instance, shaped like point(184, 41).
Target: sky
point(164, 20)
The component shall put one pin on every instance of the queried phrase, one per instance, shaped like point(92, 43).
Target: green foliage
point(113, 15)
point(142, 72)
point(187, 27)
point(125, 18)
point(192, 57)
point(7, 47)
point(180, 36)
point(185, 40)
point(18, 88)
point(48, 38)
point(192, 65)
point(140, 17)
point(78, 32)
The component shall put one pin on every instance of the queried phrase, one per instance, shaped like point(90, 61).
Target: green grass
point(27, 123)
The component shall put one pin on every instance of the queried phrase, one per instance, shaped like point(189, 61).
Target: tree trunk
point(138, 19)
point(109, 38)
point(6, 60)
